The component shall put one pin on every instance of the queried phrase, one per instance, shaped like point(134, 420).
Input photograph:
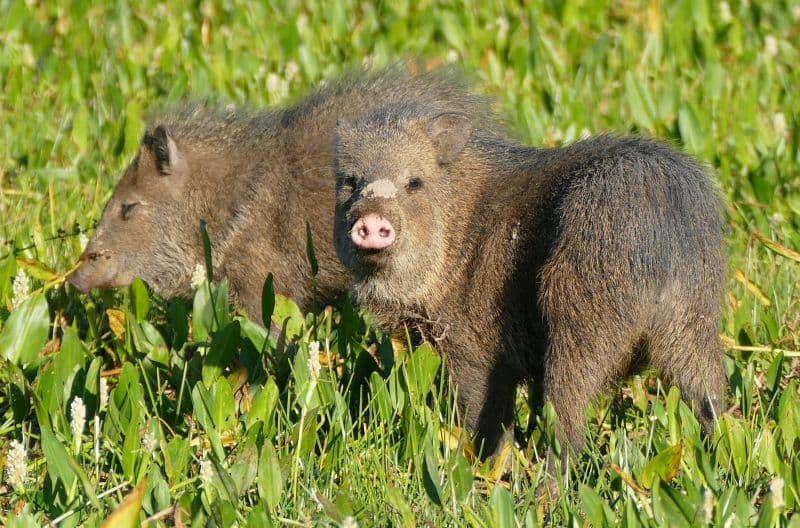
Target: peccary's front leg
point(486, 396)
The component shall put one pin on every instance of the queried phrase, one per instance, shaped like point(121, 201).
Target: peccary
point(573, 266)
point(256, 178)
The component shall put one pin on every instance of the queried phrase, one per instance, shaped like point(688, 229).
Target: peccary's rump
point(255, 177)
point(571, 266)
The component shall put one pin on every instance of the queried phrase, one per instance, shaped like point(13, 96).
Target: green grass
point(372, 437)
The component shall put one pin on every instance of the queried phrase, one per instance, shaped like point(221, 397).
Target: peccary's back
point(631, 223)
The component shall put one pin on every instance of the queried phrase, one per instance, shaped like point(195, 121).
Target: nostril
point(372, 231)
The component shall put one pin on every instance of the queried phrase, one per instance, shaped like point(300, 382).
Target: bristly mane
point(217, 126)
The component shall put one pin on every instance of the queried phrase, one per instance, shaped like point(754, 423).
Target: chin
point(372, 261)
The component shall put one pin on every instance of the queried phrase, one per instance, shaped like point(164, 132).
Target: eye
point(414, 184)
point(350, 181)
point(127, 209)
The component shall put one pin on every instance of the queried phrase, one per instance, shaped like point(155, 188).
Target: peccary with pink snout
point(570, 266)
point(256, 178)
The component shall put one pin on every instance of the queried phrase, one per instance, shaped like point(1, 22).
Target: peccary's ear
point(163, 150)
point(449, 132)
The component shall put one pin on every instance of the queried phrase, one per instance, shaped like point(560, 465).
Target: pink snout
point(372, 231)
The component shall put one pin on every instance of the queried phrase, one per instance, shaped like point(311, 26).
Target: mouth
point(96, 269)
point(372, 258)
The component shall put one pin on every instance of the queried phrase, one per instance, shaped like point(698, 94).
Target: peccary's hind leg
point(688, 354)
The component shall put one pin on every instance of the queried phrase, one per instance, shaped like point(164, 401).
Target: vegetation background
point(369, 440)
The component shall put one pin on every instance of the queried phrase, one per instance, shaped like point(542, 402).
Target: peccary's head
point(395, 200)
point(143, 231)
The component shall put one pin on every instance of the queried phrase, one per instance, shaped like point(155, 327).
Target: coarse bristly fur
point(256, 177)
point(571, 266)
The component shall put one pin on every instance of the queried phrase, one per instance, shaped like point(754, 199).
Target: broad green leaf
point(461, 476)
point(380, 396)
point(176, 459)
point(225, 510)
point(395, 497)
point(126, 404)
point(789, 418)
point(262, 408)
point(178, 322)
point(202, 314)
point(253, 332)
point(595, 508)
point(677, 511)
point(68, 363)
point(62, 466)
point(57, 458)
point(200, 407)
point(421, 371)
point(736, 442)
point(257, 518)
point(673, 419)
point(36, 269)
point(25, 332)
point(270, 479)
point(221, 352)
point(204, 407)
point(304, 434)
point(431, 477)
point(244, 470)
point(773, 377)
point(140, 299)
point(222, 308)
point(287, 314)
point(766, 452)
point(223, 407)
point(149, 340)
point(132, 454)
point(501, 505)
point(632, 516)
point(665, 464)
point(157, 495)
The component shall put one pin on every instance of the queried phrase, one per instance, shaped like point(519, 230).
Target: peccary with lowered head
point(572, 266)
point(256, 178)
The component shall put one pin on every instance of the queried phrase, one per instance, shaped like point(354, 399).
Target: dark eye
point(350, 181)
point(127, 209)
point(414, 184)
